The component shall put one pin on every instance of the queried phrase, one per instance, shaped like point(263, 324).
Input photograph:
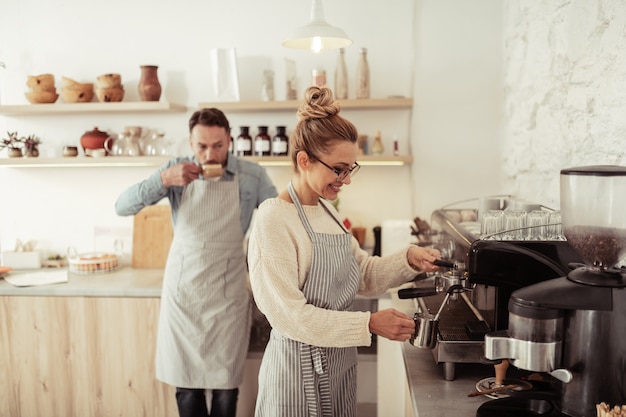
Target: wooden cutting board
point(152, 236)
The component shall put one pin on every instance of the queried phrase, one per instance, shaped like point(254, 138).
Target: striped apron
point(204, 319)
point(301, 380)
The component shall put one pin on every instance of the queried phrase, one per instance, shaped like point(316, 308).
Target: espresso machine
point(483, 272)
point(573, 328)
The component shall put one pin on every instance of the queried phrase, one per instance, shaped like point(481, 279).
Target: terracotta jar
point(93, 139)
point(149, 86)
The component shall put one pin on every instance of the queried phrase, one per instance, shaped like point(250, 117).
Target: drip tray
point(453, 343)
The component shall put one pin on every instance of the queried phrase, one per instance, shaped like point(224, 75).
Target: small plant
point(12, 142)
point(16, 145)
point(31, 144)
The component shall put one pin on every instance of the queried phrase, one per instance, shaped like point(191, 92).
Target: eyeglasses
point(342, 174)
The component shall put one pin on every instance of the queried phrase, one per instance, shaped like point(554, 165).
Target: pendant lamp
point(317, 35)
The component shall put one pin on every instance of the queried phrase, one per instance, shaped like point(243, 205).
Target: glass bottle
point(267, 91)
point(318, 77)
point(341, 76)
point(280, 142)
point(363, 76)
point(262, 142)
point(243, 146)
point(377, 146)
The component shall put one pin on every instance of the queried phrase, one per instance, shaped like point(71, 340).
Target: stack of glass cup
point(521, 225)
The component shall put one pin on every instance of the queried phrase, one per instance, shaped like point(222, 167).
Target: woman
point(306, 269)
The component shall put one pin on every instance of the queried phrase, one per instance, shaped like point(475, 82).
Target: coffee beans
point(601, 247)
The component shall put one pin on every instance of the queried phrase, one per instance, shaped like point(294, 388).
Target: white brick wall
point(565, 91)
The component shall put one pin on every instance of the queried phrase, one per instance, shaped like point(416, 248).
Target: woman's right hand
point(392, 324)
point(180, 174)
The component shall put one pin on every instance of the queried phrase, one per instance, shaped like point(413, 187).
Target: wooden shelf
point(83, 161)
point(155, 161)
point(292, 105)
point(363, 160)
point(92, 107)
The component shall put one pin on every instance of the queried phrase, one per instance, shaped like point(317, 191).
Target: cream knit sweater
point(279, 258)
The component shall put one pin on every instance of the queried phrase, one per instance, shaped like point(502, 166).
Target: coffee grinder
point(574, 327)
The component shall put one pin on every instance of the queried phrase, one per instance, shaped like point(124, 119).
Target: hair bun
point(319, 102)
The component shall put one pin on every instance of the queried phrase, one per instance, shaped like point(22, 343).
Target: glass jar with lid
point(262, 142)
point(280, 142)
point(243, 143)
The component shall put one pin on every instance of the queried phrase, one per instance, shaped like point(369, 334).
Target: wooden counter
point(86, 348)
point(82, 348)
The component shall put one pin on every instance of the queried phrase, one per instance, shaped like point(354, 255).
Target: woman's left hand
point(421, 259)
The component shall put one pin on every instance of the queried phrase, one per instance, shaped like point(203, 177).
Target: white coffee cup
point(97, 153)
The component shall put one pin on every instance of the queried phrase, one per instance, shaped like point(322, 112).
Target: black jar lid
point(596, 170)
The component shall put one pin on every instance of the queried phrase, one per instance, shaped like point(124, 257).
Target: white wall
point(457, 119)
point(62, 207)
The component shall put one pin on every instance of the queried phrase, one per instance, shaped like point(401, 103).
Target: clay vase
point(149, 86)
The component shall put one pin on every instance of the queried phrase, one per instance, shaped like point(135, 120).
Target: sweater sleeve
point(380, 273)
point(279, 255)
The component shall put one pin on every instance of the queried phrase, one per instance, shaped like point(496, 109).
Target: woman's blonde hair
point(319, 125)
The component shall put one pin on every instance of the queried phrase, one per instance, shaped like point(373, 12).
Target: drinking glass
point(492, 224)
point(537, 221)
point(554, 229)
point(485, 204)
point(514, 224)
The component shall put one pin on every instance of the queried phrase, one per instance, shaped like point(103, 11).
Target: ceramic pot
point(93, 139)
point(31, 153)
point(69, 151)
point(149, 86)
point(15, 153)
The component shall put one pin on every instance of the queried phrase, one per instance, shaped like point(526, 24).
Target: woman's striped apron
point(301, 380)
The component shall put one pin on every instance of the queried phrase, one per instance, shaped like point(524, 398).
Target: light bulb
point(316, 44)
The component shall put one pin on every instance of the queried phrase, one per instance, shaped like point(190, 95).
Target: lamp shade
point(317, 35)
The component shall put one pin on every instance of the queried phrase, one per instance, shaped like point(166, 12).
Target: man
point(204, 321)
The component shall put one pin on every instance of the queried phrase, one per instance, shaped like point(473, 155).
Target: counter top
point(124, 282)
point(432, 395)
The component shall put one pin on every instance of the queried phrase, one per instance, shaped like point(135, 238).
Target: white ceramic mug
point(96, 153)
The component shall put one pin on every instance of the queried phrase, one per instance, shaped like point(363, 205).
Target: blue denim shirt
point(255, 186)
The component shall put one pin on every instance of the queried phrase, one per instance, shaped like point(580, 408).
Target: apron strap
point(314, 364)
point(330, 213)
point(303, 218)
point(296, 202)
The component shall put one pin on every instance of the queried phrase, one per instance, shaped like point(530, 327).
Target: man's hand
point(180, 174)
point(392, 324)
